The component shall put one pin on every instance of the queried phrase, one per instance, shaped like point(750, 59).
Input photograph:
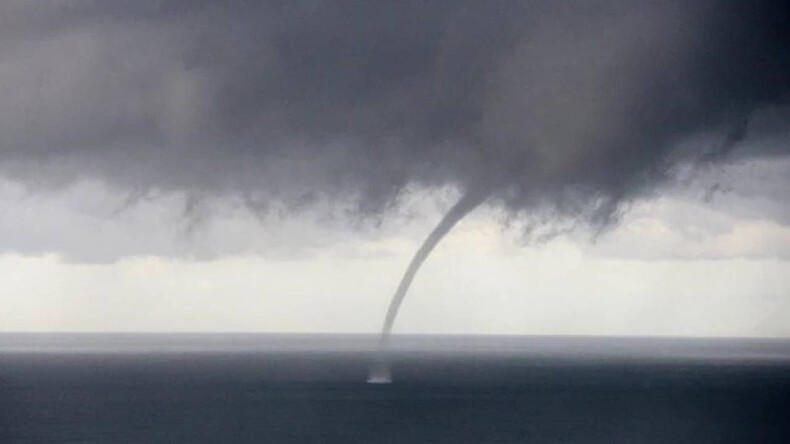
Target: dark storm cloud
point(576, 106)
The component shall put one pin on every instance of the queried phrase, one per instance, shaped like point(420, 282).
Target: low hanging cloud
point(569, 107)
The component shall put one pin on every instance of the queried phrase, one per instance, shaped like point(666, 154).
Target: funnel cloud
point(465, 204)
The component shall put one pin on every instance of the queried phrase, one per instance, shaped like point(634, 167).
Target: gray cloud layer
point(576, 105)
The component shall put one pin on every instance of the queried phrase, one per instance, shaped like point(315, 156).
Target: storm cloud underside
point(574, 105)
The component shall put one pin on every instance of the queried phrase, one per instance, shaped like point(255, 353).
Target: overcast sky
point(273, 166)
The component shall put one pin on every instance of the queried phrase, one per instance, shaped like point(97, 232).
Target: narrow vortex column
point(380, 372)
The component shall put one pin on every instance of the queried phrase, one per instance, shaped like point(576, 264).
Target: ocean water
point(305, 389)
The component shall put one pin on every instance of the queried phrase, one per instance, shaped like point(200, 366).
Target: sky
point(189, 166)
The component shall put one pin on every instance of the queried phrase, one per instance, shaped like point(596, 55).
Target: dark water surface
point(304, 389)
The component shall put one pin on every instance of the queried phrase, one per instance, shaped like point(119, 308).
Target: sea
point(270, 388)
